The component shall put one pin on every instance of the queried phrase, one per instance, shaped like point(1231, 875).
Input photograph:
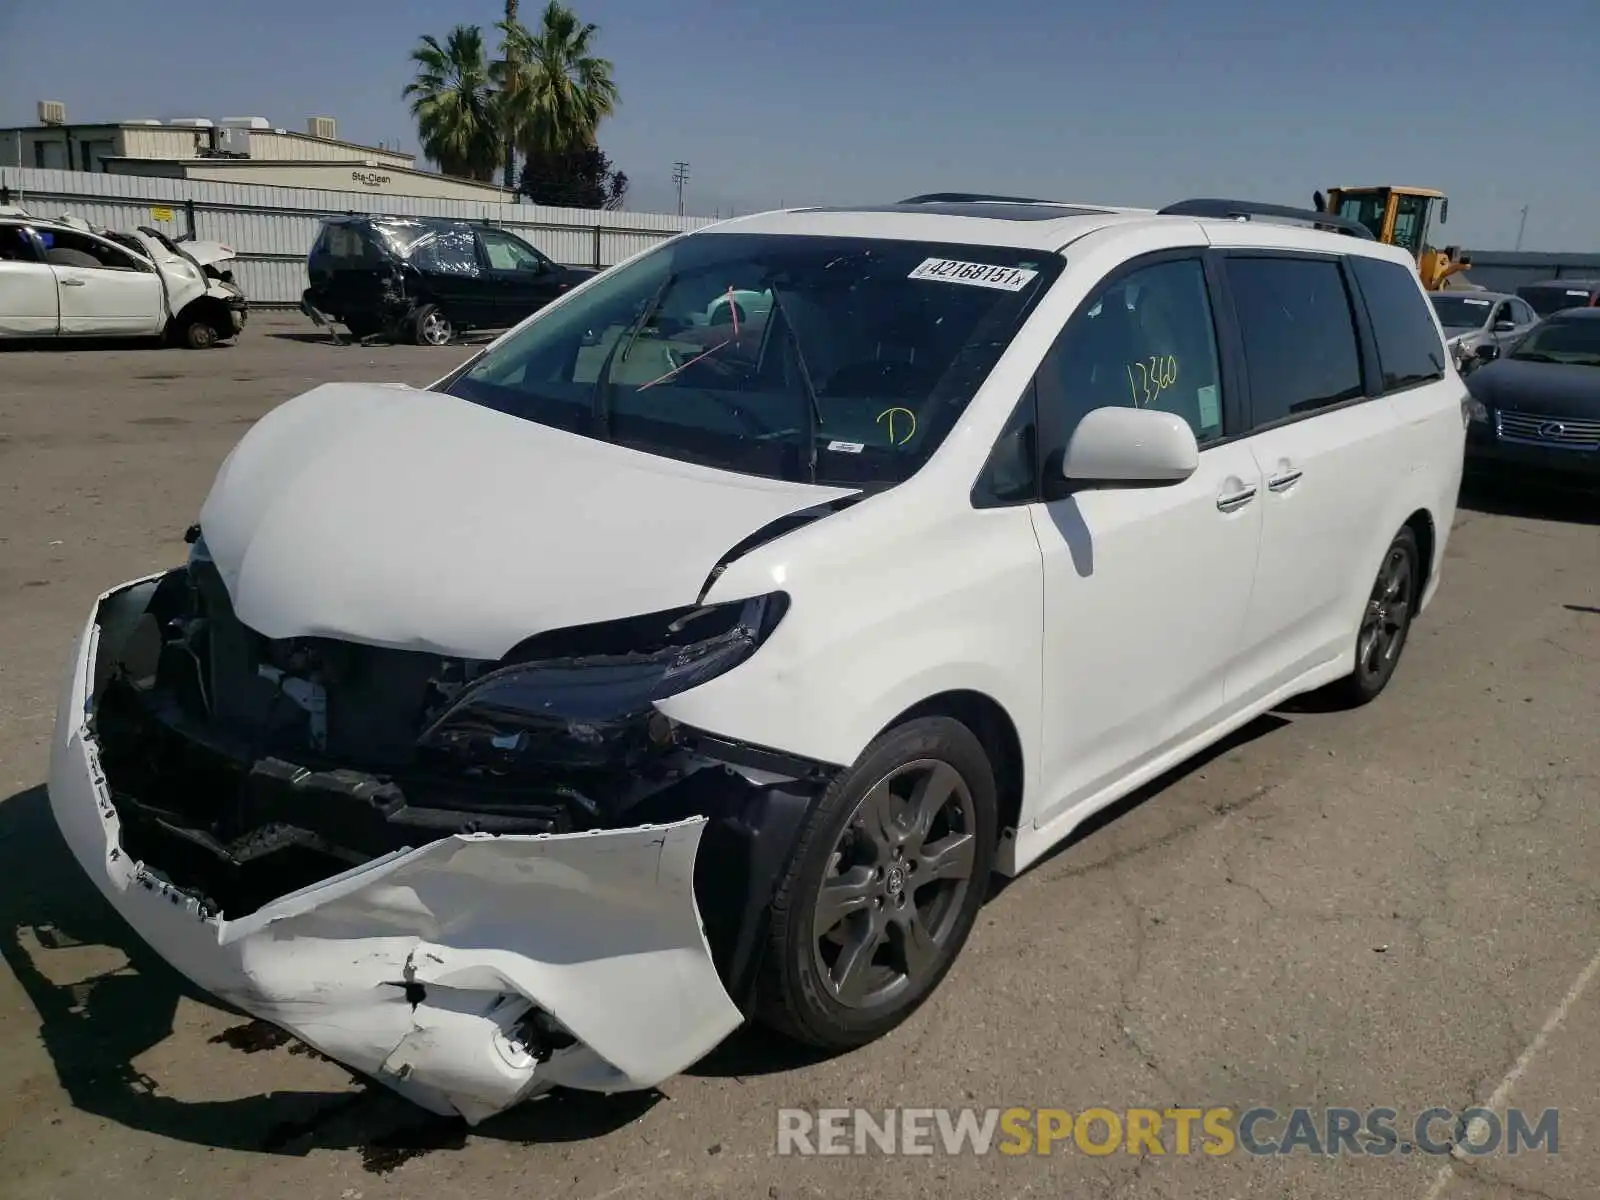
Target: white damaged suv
point(698, 650)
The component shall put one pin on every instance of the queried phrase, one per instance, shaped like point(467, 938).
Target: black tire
point(1385, 623)
point(431, 327)
point(803, 995)
point(198, 333)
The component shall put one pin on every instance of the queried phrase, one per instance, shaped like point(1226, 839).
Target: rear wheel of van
point(884, 887)
point(1385, 622)
point(431, 327)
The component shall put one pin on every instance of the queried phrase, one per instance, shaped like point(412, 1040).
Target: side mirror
point(1444, 210)
point(1131, 446)
point(1487, 352)
point(1504, 326)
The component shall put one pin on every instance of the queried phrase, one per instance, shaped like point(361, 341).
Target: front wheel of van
point(885, 884)
point(1385, 621)
point(431, 327)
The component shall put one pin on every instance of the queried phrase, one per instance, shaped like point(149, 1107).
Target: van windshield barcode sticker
point(950, 270)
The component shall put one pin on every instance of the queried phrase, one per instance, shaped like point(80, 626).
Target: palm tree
point(454, 104)
point(512, 77)
point(558, 91)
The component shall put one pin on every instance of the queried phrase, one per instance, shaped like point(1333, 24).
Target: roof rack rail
point(1245, 209)
point(972, 197)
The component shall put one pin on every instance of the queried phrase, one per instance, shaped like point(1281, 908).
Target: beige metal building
point(369, 176)
point(230, 150)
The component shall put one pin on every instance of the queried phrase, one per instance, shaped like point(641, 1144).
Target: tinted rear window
point(345, 245)
point(1409, 349)
point(1548, 298)
point(1299, 338)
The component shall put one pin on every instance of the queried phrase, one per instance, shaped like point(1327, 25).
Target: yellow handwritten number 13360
point(1149, 377)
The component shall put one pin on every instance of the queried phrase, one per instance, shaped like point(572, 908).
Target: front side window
point(1409, 349)
point(1145, 340)
point(1574, 341)
point(507, 253)
point(846, 360)
point(15, 245)
point(1300, 346)
point(69, 248)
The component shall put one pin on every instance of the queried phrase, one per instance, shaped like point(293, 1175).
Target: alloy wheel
point(891, 898)
point(1388, 615)
point(436, 330)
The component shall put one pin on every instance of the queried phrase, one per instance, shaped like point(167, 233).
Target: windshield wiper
point(600, 398)
point(813, 423)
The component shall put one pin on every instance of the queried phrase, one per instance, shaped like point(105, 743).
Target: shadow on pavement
point(69, 344)
point(94, 1029)
point(1262, 726)
point(1533, 499)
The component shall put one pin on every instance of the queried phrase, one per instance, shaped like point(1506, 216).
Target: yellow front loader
point(1400, 216)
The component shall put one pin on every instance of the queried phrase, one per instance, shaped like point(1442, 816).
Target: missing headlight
point(592, 707)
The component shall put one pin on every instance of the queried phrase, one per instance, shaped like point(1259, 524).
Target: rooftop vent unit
point(245, 123)
point(142, 121)
point(52, 112)
point(232, 141)
point(193, 122)
point(321, 127)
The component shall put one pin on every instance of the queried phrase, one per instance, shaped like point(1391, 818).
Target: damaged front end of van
point(469, 880)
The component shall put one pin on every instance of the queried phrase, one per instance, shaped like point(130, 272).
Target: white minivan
point(673, 663)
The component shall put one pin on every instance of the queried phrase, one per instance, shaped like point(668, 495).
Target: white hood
point(208, 254)
point(382, 514)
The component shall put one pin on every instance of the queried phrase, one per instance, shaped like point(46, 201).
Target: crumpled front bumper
point(423, 968)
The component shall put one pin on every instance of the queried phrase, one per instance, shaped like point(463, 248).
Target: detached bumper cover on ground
point(466, 974)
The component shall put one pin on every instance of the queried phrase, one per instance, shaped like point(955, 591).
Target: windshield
point(846, 360)
point(1547, 300)
point(1576, 342)
point(1461, 312)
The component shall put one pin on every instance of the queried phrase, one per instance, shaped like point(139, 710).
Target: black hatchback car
point(425, 280)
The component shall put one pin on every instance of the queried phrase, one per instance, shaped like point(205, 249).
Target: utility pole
point(1521, 225)
point(680, 176)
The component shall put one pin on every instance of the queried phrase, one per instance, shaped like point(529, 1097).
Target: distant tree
point(555, 89)
point(458, 121)
point(580, 178)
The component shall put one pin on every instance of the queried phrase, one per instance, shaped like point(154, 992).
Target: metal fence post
point(597, 247)
point(188, 217)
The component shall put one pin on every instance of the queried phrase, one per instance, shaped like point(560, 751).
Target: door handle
point(72, 283)
point(1233, 501)
point(1282, 483)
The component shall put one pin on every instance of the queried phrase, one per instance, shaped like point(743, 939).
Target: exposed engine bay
point(248, 767)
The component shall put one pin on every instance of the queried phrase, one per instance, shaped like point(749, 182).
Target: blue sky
point(1133, 102)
